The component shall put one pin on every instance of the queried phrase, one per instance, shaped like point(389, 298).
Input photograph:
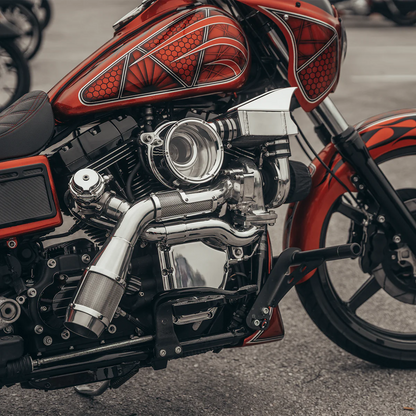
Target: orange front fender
point(382, 134)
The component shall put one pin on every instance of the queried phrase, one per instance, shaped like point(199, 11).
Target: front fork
point(330, 123)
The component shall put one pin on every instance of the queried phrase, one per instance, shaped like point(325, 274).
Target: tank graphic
point(193, 52)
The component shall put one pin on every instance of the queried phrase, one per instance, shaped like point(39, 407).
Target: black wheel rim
point(26, 22)
point(347, 308)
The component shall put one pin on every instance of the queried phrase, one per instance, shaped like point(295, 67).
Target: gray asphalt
point(305, 374)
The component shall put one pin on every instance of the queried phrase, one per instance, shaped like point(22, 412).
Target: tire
point(408, 20)
point(26, 21)
point(43, 11)
point(370, 335)
point(14, 74)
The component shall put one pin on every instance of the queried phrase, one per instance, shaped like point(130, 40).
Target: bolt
point(360, 187)
point(51, 263)
point(397, 239)
point(32, 292)
point(102, 342)
point(86, 258)
point(38, 329)
point(178, 350)
point(65, 334)
point(381, 219)
point(138, 331)
point(63, 277)
point(47, 340)
point(71, 348)
point(355, 179)
point(393, 257)
point(162, 353)
point(238, 252)
point(265, 311)
point(43, 308)
point(21, 300)
point(8, 329)
point(112, 329)
point(286, 17)
point(141, 294)
point(12, 243)
point(256, 322)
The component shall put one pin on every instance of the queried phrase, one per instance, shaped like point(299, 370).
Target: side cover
point(314, 39)
point(161, 55)
point(28, 199)
point(382, 134)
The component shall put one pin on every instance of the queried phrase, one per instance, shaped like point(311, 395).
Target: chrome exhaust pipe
point(201, 229)
point(104, 282)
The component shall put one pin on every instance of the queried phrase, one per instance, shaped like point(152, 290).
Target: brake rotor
point(396, 274)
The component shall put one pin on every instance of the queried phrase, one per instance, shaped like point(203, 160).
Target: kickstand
point(91, 390)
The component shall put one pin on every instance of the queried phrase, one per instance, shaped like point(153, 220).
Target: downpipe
point(104, 282)
point(201, 229)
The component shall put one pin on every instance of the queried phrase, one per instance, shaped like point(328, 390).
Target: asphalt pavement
point(305, 374)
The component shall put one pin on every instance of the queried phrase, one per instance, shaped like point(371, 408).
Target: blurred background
point(305, 374)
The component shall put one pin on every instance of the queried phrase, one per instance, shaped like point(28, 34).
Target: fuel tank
point(172, 50)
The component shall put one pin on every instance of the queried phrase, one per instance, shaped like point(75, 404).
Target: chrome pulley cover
point(184, 153)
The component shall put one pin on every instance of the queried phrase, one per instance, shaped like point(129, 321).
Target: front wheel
point(368, 306)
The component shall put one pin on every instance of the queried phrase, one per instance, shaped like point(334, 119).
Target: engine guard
point(382, 134)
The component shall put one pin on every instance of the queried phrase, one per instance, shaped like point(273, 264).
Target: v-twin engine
point(105, 280)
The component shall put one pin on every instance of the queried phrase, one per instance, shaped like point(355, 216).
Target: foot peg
point(279, 283)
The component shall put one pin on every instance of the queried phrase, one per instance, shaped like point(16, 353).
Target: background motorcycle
point(30, 301)
point(14, 70)
point(402, 12)
point(21, 14)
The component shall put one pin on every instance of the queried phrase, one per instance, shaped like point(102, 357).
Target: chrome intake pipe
point(201, 229)
point(104, 282)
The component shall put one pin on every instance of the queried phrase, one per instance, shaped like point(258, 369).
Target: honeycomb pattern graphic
point(107, 86)
point(317, 77)
point(138, 80)
point(310, 37)
point(185, 68)
point(158, 64)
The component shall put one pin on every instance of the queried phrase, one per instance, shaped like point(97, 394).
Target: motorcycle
point(401, 12)
point(14, 70)
point(21, 14)
point(169, 148)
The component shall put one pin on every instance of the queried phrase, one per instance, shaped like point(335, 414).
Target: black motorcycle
point(401, 12)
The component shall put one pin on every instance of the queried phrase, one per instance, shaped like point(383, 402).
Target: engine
point(183, 206)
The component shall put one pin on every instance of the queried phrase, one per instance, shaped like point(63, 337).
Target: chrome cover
point(193, 265)
point(247, 197)
point(206, 150)
point(86, 186)
point(267, 115)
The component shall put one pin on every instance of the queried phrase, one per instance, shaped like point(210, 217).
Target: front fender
point(382, 134)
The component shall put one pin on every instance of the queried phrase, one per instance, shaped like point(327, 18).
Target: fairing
point(382, 134)
point(314, 38)
point(170, 51)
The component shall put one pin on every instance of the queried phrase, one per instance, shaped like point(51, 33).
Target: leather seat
point(26, 126)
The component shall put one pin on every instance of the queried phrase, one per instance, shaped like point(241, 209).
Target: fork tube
point(354, 151)
point(328, 114)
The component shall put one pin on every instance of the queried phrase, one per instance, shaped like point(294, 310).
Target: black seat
point(26, 126)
